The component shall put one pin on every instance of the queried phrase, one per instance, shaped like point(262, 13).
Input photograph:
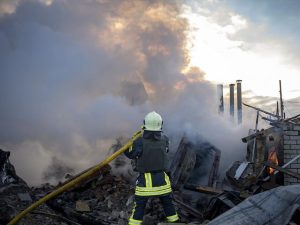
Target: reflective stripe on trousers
point(173, 218)
point(140, 204)
point(133, 221)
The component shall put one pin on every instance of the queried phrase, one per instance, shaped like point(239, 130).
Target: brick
point(298, 142)
point(286, 160)
point(286, 181)
point(295, 166)
point(291, 152)
point(286, 137)
point(294, 170)
point(291, 181)
point(291, 133)
point(288, 167)
point(296, 127)
point(286, 127)
point(294, 138)
point(287, 178)
point(287, 157)
point(297, 147)
point(286, 147)
point(290, 178)
point(291, 142)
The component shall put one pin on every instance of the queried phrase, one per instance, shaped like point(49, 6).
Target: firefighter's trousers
point(140, 204)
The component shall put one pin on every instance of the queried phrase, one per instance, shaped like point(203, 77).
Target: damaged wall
point(291, 141)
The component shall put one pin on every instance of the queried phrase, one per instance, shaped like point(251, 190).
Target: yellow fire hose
point(77, 180)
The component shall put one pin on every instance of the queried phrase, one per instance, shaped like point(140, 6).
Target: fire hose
point(76, 180)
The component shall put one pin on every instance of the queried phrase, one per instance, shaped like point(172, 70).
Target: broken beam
point(207, 190)
point(259, 133)
point(288, 172)
point(261, 110)
point(189, 209)
point(292, 118)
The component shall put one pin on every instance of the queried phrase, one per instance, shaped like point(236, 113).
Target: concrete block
point(289, 166)
point(286, 137)
point(291, 133)
point(290, 179)
point(294, 170)
point(295, 166)
point(287, 157)
point(290, 142)
point(287, 180)
point(296, 147)
point(295, 138)
point(297, 127)
point(291, 152)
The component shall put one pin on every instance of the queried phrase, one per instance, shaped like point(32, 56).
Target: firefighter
point(149, 153)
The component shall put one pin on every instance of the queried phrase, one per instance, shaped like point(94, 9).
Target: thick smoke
point(77, 74)
point(57, 170)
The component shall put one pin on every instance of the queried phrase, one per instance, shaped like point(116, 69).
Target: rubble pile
point(15, 196)
point(104, 199)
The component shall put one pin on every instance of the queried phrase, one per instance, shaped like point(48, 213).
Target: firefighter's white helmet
point(153, 121)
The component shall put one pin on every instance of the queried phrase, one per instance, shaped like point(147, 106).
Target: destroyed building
point(268, 150)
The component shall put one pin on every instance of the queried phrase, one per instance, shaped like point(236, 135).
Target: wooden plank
point(202, 189)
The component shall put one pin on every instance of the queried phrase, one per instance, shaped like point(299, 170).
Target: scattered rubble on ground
point(15, 196)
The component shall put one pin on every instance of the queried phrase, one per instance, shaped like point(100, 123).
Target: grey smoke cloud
point(75, 75)
point(57, 170)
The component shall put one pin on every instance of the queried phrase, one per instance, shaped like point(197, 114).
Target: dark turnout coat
point(150, 155)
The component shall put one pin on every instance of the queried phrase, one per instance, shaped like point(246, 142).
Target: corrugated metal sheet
point(274, 207)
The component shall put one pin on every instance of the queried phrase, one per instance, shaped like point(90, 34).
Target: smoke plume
point(76, 74)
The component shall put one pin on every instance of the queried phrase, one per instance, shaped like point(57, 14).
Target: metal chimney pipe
point(281, 102)
point(231, 91)
point(220, 98)
point(239, 101)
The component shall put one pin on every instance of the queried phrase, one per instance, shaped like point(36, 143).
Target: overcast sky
point(255, 41)
point(76, 75)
